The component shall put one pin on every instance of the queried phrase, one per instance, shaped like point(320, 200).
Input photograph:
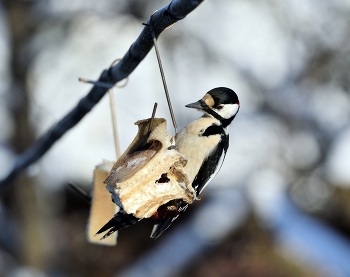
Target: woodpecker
point(204, 142)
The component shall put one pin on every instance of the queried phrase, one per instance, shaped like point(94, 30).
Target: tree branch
point(175, 11)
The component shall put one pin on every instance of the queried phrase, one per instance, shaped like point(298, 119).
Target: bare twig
point(153, 115)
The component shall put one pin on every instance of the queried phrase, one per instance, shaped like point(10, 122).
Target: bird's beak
point(199, 105)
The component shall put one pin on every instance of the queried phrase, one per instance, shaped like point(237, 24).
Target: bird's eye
point(220, 107)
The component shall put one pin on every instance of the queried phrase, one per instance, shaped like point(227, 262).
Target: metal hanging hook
point(162, 71)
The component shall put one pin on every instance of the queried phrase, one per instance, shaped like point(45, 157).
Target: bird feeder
point(150, 173)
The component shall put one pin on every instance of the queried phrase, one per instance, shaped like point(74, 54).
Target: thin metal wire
point(161, 69)
point(127, 78)
point(164, 83)
point(170, 26)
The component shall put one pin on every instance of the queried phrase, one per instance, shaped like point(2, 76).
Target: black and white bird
point(204, 142)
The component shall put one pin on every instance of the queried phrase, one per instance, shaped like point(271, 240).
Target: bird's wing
point(212, 164)
point(210, 167)
point(208, 170)
point(206, 173)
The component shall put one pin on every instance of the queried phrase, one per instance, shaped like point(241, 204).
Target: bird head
point(221, 103)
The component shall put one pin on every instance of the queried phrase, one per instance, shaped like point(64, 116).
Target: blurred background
point(280, 205)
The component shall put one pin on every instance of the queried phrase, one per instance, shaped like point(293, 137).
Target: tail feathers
point(165, 216)
point(120, 220)
point(160, 226)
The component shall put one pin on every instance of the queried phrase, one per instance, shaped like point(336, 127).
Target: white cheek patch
point(228, 110)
